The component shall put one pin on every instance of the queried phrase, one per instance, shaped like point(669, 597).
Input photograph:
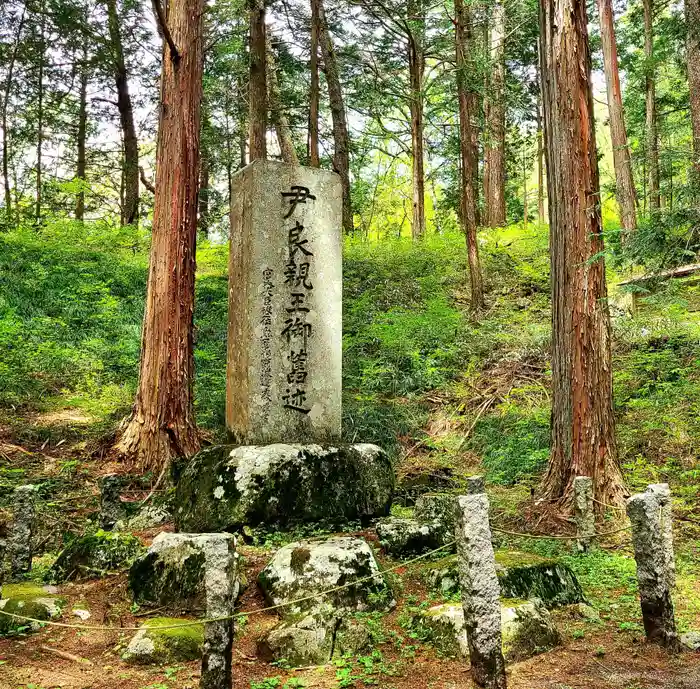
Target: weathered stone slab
point(24, 514)
point(404, 538)
point(112, 509)
point(225, 488)
point(653, 576)
point(96, 555)
point(480, 591)
point(663, 492)
point(174, 569)
point(285, 305)
point(305, 569)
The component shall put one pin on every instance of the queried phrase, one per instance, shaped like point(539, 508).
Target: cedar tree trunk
point(625, 192)
point(314, 90)
point(278, 116)
point(692, 18)
point(467, 154)
point(416, 69)
point(652, 133)
point(162, 425)
point(258, 82)
point(130, 205)
point(583, 426)
point(341, 139)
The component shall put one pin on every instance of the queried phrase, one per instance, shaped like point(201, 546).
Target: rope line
point(610, 507)
point(238, 614)
point(561, 538)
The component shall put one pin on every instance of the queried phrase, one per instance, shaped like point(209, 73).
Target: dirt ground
point(606, 658)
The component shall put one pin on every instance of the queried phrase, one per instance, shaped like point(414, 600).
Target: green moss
point(24, 591)
point(179, 643)
point(95, 555)
point(516, 558)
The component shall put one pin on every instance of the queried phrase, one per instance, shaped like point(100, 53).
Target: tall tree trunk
point(278, 116)
point(495, 202)
point(341, 138)
point(692, 19)
point(625, 192)
point(652, 133)
point(163, 423)
point(540, 162)
point(416, 69)
point(257, 117)
point(314, 90)
point(525, 199)
point(583, 426)
point(204, 191)
point(81, 165)
point(40, 112)
point(130, 206)
point(5, 107)
point(467, 150)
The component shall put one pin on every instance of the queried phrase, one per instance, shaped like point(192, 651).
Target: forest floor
point(447, 396)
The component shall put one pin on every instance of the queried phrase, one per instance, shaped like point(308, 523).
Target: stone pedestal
point(285, 305)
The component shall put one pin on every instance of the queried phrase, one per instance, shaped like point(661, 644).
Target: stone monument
point(283, 381)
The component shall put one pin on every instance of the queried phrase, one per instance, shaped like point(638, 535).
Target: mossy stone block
point(180, 643)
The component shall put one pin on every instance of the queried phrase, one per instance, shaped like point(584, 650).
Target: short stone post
point(480, 589)
point(220, 580)
point(584, 514)
point(22, 531)
point(663, 492)
point(112, 509)
point(651, 555)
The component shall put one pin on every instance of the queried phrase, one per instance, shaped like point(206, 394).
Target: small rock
point(526, 628)
point(227, 487)
point(308, 568)
point(96, 555)
point(520, 576)
point(82, 614)
point(148, 518)
point(156, 646)
point(112, 509)
point(404, 538)
point(691, 640)
point(586, 612)
point(172, 571)
point(439, 507)
point(315, 640)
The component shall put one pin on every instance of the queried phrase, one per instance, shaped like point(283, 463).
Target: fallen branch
point(65, 655)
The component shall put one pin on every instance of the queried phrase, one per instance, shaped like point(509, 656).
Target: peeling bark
point(625, 191)
point(467, 154)
point(258, 106)
point(162, 425)
point(583, 428)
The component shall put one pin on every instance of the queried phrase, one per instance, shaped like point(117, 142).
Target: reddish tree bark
point(341, 139)
point(467, 154)
point(583, 427)
point(625, 192)
point(277, 114)
point(314, 90)
point(652, 132)
point(163, 423)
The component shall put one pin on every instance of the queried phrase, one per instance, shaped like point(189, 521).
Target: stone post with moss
point(584, 514)
point(663, 492)
point(480, 589)
point(22, 531)
point(219, 584)
point(653, 576)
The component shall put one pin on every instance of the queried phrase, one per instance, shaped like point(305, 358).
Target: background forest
point(447, 325)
